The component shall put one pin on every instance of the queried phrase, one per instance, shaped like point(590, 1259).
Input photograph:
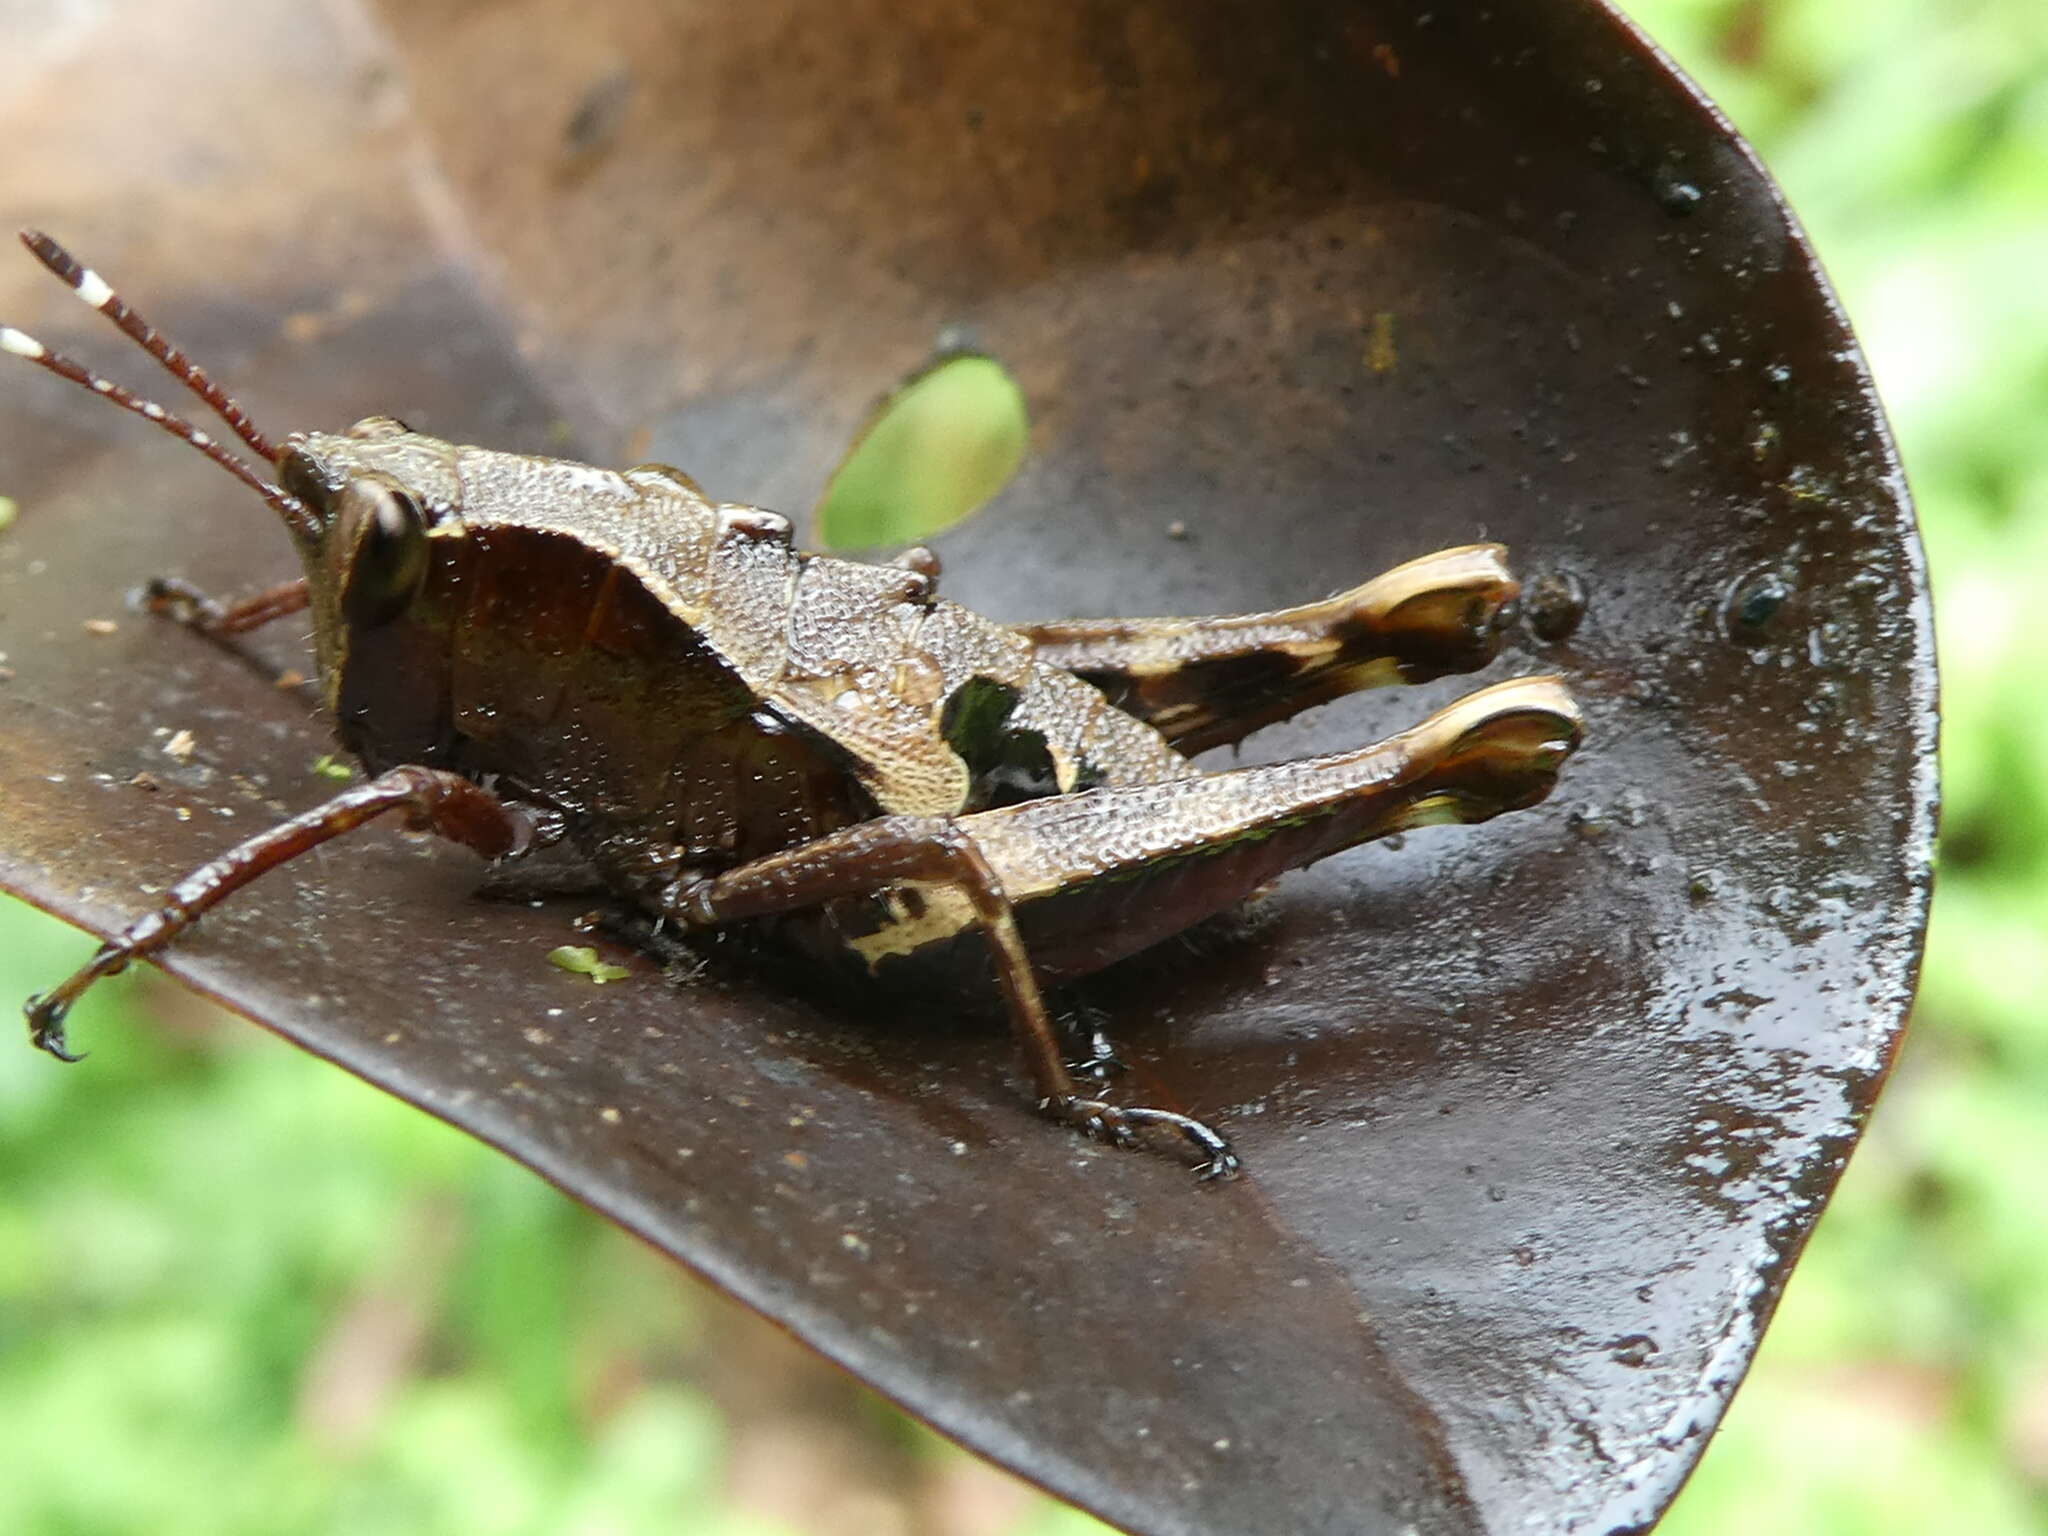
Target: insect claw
point(1222, 1162)
point(45, 1011)
point(1223, 1166)
point(1099, 1068)
point(46, 1027)
point(176, 599)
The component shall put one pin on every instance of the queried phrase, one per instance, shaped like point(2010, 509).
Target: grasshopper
point(523, 651)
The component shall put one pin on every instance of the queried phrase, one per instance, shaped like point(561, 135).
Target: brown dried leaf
point(1537, 1115)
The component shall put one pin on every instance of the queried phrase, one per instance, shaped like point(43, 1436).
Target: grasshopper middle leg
point(864, 859)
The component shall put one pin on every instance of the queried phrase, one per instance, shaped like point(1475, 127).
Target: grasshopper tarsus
point(177, 599)
point(1091, 1053)
point(680, 951)
point(1099, 1066)
point(1124, 1125)
point(45, 1014)
point(46, 1011)
point(1100, 1062)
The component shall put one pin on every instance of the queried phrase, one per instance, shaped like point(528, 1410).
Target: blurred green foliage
point(242, 1293)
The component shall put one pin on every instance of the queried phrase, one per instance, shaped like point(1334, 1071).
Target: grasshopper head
point(359, 505)
point(379, 580)
point(371, 495)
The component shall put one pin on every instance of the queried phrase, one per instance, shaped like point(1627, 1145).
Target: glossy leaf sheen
point(1537, 1114)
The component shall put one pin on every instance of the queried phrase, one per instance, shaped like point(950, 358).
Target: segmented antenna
point(93, 289)
point(289, 507)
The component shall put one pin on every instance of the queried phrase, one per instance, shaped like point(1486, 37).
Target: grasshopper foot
point(1099, 1068)
point(45, 1012)
point(1124, 1126)
point(176, 599)
point(1101, 1062)
point(1091, 1054)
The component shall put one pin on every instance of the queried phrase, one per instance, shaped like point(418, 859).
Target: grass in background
point(357, 1319)
point(242, 1292)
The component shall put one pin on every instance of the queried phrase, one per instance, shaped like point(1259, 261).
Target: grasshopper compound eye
point(390, 562)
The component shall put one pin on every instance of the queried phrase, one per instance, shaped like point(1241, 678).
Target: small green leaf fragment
point(328, 766)
point(581, 960)
point(1381, 354)
point(8, 510)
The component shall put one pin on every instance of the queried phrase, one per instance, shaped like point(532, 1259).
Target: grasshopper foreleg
point(176, 598)
point(433, 800)
point(863, 859)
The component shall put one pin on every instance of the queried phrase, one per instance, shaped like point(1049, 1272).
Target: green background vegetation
point(239, 1292)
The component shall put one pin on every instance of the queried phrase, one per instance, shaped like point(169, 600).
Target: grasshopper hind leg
point(1093, 878)
point(1205, 683)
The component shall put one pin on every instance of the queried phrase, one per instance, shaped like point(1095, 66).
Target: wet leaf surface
point(1537, 1114)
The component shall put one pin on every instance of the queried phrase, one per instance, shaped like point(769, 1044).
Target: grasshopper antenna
point(287, 506)
point(93, 289)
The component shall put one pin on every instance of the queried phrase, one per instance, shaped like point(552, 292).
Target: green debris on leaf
point(8, 510)
point(328, 766)
point(581, 960)
point(1382, 355)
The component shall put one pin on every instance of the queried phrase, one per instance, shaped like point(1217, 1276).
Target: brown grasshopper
point(523, 651)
